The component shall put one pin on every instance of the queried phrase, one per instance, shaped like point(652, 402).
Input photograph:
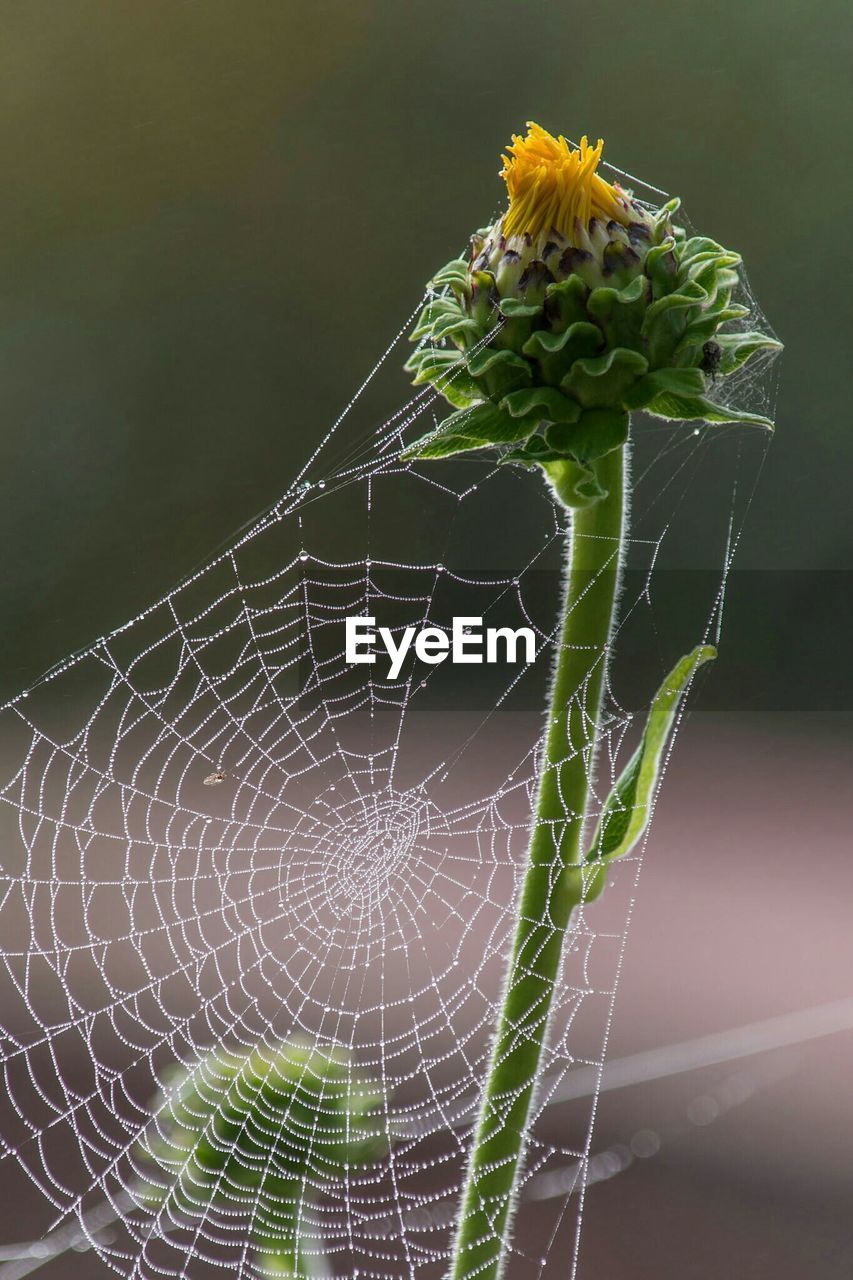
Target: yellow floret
point(552, 185)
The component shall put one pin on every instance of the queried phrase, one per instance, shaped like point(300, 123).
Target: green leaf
point(475, 428)
point(627, 810)
point(678, 382)
point(602, 382)
point(668, 404)
point(440, 445)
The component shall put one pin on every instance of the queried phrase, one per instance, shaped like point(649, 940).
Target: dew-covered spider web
point(217, 833)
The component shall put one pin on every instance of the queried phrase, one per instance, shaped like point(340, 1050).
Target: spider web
point(219, 833)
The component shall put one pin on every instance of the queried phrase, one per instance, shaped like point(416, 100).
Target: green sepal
point(447, 371)
point(500, 371)
point(628, 808)
point(556, 353)
point(454, 275)
point(463, 331)
point(667, 318)
point(699, 331)
point(481, 304)
point(690, 294)
point(619, 312)
point(662, 382)
point(717, 282)
point(661, 267)
point(714, 271)
point(698, 246)
point(602, 382)
point(547, 403)
point(476, 428)
point(596, 432)
point(565, 302)
point(518, 309)
point(665, 212)
point(435, 310)
point(689, 408)
point(737, 348)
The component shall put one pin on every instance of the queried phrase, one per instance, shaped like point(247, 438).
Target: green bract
point(545, 356)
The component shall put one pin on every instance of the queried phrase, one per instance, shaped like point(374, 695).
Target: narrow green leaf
point(628, 808)
point(668, 404)
point(440, 445)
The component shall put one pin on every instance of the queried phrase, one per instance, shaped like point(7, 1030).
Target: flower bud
point(576, 307)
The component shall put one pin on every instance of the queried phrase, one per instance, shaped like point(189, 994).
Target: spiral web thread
point(350, 879)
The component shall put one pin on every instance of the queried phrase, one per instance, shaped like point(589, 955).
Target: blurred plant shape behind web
point(577, 307)
point(275, 1125)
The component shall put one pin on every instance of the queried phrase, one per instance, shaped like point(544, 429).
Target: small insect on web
point(222, 839)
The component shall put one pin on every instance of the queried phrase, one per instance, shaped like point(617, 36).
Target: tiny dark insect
point(712, 354)
point(214, 779)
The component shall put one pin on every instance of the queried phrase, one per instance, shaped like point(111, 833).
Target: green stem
point(553, 883)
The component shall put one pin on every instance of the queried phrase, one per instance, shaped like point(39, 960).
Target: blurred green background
point(216, 216)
